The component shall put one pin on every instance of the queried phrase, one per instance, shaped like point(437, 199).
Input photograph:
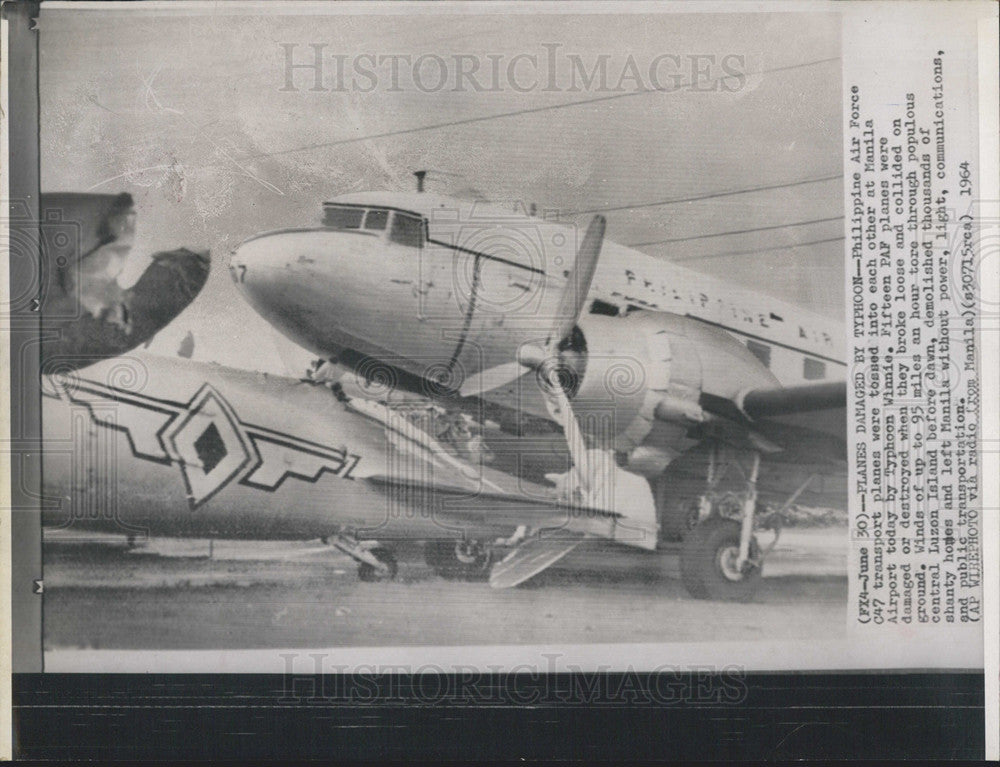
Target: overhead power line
point(708, 196)
point(518, 112)
point(760, 250)
point(736, 231)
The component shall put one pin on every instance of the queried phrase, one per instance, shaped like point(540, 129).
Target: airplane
point(139, 444)
point(717, 399)
point(501, 473)
point(144, 445)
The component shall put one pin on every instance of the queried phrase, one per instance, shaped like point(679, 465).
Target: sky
point(191, 115)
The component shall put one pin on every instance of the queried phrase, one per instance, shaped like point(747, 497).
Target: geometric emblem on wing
point(209, 443)
point(211, 448)
point(282, 457)
point(206, 439)
point(140, 421)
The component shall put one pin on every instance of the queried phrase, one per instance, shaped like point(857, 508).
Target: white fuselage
point(480, 280)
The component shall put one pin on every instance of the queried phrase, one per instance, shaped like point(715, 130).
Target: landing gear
point(721, 558)
point(375, 562)
point(459, 560)
point(687, 488)
point(710, 563)
point(385, 570)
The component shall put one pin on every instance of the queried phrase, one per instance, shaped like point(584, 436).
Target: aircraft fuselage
point(145, 445)
point(461, 286)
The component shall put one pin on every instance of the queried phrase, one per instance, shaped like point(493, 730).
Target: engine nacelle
point(649, 368)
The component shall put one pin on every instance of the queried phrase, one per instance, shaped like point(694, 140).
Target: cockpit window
point(337, 217)
point(377, 220)
point(407, 230)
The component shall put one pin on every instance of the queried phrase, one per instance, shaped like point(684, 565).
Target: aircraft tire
point(708, 563)
point(441, 556)
point(676, 505)
point(370, 574)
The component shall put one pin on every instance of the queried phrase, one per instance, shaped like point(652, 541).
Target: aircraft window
point(343, 218)
point(813, 370)
point(377, 219)
point(407, 230)
point(761, 352)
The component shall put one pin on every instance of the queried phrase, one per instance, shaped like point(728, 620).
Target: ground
point(249, 595)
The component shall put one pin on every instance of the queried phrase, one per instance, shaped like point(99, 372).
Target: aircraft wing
point(462, 492)
point(86, 316)
point(764, 403)
point(167, 286)
point(789, 414)
point(768, 403)
point(809, 423)
point(786, 420)
point(802, 430)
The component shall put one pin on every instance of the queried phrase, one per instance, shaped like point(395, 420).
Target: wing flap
point(530, 558)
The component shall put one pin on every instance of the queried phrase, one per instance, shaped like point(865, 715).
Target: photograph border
point(829, 710)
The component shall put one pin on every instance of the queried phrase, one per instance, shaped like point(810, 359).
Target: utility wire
point(735, 231)
point(709, 196)
point(517, 112)
point(759, 250)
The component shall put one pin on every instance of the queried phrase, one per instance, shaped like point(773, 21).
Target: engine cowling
point(631, 373)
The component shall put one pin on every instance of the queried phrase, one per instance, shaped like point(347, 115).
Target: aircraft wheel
point(676, 505)
point(370, 574)
point(458, 560)
point(708, 563)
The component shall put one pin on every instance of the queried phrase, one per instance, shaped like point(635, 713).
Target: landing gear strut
point(375, 562)
point(721, 558)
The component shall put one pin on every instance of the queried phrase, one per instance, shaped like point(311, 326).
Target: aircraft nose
point(265, 269)
point(257, 255)
point(297, 280)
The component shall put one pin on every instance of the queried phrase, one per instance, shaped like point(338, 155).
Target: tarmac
point(170, 594)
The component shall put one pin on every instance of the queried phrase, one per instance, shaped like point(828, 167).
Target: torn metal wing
point(422, 474)
point(86, 316)
point(531, 557)
point(77, 339)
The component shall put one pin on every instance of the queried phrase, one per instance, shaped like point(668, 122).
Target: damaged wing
point(456, 490)
point(86, 315)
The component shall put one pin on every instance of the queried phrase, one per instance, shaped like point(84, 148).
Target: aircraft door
point(521, 267)
point(439, 301)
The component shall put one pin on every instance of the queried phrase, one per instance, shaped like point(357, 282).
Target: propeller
point(574, 296)
point(571, 305)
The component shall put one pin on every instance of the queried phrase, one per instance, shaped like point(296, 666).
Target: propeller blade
point(571, 304)
point(577, 288)
point(561, 409)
